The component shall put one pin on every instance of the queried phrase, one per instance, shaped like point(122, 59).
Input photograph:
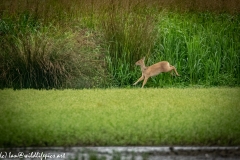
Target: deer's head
point(140, 62)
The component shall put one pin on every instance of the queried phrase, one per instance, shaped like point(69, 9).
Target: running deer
point(153, 70)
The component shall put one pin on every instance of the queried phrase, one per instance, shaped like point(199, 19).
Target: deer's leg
point(140, 79)
point(173, 68)
point(145, 81)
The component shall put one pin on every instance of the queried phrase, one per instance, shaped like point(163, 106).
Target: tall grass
point(204, 46)
point(129, 36)
point(34, 55)
point(30, 58)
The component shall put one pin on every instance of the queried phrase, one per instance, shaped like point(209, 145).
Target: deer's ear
point(143, 58)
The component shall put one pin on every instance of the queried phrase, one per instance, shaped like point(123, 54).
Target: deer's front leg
point(140, 79)
point(145, 81)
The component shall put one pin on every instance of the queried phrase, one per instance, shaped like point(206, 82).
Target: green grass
point(87, 44)
point(35, 55)
point(188, 116)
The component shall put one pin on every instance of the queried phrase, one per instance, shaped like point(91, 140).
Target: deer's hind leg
point(174, 69)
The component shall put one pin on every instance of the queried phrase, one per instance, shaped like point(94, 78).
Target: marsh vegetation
point(87, 44)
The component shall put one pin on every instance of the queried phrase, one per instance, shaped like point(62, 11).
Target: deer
point(153, 70)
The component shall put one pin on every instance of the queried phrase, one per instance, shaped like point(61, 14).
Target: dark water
point(122, 153)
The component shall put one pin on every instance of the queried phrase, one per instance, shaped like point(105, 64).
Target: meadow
point(120, 117)
point(94, 44)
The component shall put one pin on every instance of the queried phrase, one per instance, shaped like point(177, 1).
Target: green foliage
point(129, 37)
point(204, 47)
point(190, 116)
point(34, 55)
point(39, 49)
point(31, 58)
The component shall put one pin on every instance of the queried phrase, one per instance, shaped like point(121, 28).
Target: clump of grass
point(34, 55)
point(30, 58)
point(129, 35)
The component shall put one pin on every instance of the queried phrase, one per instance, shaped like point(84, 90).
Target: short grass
point(104, 117)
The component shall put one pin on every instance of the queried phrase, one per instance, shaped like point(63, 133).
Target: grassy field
point(100, 117)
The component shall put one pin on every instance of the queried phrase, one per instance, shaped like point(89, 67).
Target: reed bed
point(82, 44)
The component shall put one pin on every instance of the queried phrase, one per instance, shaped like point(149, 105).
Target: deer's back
point(157, 68)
